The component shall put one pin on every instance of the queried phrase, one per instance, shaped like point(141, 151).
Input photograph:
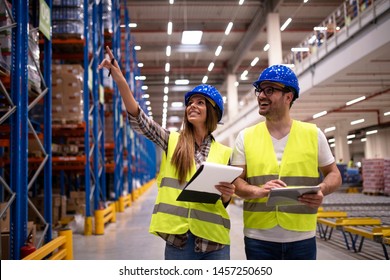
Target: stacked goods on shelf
point(373, 179)
point(67, 92)
point(59, 205)
point(386, 174)
point(68, 18)
point(34, 78)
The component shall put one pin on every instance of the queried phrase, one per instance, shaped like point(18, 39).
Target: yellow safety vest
point(298, 167)
point(208, 221)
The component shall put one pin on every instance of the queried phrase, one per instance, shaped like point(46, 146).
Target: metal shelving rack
point(21, 126)
point(94, 133)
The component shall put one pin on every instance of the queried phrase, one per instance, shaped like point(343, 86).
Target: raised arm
point(124, 89)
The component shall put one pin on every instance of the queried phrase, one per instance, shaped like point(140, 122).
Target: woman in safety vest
point(191, 230)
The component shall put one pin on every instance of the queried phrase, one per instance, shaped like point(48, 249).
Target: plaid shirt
point(160, 136)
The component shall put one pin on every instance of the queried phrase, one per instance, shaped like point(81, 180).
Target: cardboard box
point(5, 219)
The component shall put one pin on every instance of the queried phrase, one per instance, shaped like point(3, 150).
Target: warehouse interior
point(70, 160)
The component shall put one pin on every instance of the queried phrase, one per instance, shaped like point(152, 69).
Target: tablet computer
point(289, 195)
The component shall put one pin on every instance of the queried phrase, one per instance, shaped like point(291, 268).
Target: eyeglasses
point(268, 91)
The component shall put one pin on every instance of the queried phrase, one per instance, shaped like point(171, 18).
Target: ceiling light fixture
point(386, 114)
point(181, 82)
point(168, 51)
point(144, 87)
point(371, 132)
point(132, 25)
point(137, 48)
point(244, 75)
point(167, 67)
point(211, 66)
point(299, 49)
point(320, 114)
point(166, 80)
point(218, 51)
point(140, 65)
point(357, 121)
point(177, 104)
point(204, 80)
point(171, 1)
point(351, 136)
point(363, 139)
point(349, 142)
point(254, 61)
point(140, 78)
point(266, 47)
point(241, 2)
point(284, 26)
point(191, 37)
point(228, 28)
point(169, 29)
point(355, 100)
point(166, 90)
point(329, 129)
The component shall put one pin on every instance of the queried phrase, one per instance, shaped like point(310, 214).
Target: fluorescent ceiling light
point(177, 104)
point(165, 104)
point(174, 119)
point(204, 80)
point(320, 114)
point(331, 140)
point(165, 98)
point(236, 83)
point(386, 114)
point(218, 50)
point(332, 145)
point(241, 2)
point(145, 95)
point(266, 47)
point(144, 87)
point(351, 136)
point(284, 26)
point(211, 66)
point(228, 28)
point(171, 1)
point(191, 37)
point(140, 65)
point(169, 29)
point(329, 129)
point(355, 100)
point(167, 67)
point(166, 80)
point(244, 75)
point(299, 49)
point(137, 48)
point(320, 28)
point(371, 132)
point(289, 65)
point(349, 142)
point(147, 102)
point(168, 51)
point(254, 61)
point(357, 121)
point(305, 1)
point(363, 139)
point(132, 25)
point(166, 90)
point(182, 82)
point(149, 107)
point(140, 78)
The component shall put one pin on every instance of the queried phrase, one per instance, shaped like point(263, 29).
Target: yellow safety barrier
point(104, 216)
point(377, 234)
point(332, 214)
point(124, 201)
point(338, 223)
point(60, 248)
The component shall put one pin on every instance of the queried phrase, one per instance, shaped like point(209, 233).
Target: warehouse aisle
point(129, 239)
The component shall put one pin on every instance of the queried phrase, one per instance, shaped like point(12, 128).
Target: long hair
point(183, 156)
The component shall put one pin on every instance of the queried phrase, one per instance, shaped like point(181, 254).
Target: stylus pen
point(112, 63)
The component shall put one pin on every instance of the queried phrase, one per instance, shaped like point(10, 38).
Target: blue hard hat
point(209, 92)
point(279, 74)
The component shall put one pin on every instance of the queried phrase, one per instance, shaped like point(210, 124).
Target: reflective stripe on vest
point(208, 221)
point(299, 167)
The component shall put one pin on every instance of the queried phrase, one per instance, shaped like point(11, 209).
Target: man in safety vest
point(278, 153)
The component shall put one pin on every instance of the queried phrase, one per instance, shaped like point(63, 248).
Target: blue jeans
point(266, 250)
point(188, 252)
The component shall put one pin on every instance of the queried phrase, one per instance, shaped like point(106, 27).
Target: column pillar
point(275, 55)
point(232, 96)
point(341, 141)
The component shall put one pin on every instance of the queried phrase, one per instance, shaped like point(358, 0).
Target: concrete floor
point(128, 238)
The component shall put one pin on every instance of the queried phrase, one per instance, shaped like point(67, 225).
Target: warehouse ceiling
point(369, 76)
